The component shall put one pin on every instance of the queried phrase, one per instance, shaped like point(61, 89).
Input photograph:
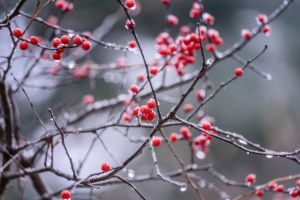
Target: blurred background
point(266, 112)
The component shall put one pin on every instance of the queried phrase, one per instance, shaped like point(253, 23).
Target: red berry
point(17, 32)
point(86, 45)
point(239, 72)
point(77, 40)
point(23, 45)
point(56, 42)
point(294, 193)
point(69, 7)
point(246, 34)
point(134, 88)
point(155, 141)
point(136, 111)
point(126, 117)
point(105, 167)
point(145, 110)
point(185, 132)
point(34, 40)
point(250, 178)
point(259, 193)
point(211, 47)
point(267, 30)
point(65, 194)
point(280, 188)
point(65, 39)
point(153, 71)
point(206, 126)
point(141, 77)
point(187, 108)
point(208, 19)
point(173, 137)
point(130, 4)
point(298, 183)
point(132, 44)
point(56, 55)
point(130, 24)
point(272, 185)
point(151, 116)
point(151, 103)
point(200, 94)
point(88, 99)
point(166, 2)
point(261, 19)
point(60, 4)
point(172, 20)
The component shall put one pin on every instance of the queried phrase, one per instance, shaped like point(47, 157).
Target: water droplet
point(269, 156)
point(183, 188)
point(243, 142)
point(200, 154)
point(130, 173)
point(248, 153)
point(71, 65)
point(269, 77)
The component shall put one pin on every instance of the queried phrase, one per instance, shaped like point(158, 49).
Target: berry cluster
point(64, 5)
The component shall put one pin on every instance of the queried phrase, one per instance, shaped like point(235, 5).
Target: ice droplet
point(130, 173)
point(200, 154)
point(269, 77)
point(243, 142)
point(269, 156)
point(183, 188)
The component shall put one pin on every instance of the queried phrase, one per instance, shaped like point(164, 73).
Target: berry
point(211, 47)
point(56, 55)
point(208, 19)
point(23, 45)
point(65, 194)
point(173, 137)
point(155, 141)
point(105, 167)
point(151, 116)
point(261, 19)
point(206, 126)
point(130, 4)
point(259, 193)
point(187, 108)
point(151, 103)
point(130, 24)
point(250, 178)
point(200, 94)
point(266, 29)
point(88, 99)
point(134, 88)
point(166, 2)
point(298, 183)
point(136, 111)
point(86, 45)
point(185, 132)
point(272, 185)
point(17, 32)
point(126, 117)
point(246, 34)
point(280, 188)
point(56, 42)
point(238, 72)
point(65, 39)
point(77, 40)
point(60, 4)
point(294, 193)
point(153, 71)
point(145, 110)
point(172, 20)
point(141, 77)
point(52, 20)
point(34, 40)
point(132, 44)
point(69, 7)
